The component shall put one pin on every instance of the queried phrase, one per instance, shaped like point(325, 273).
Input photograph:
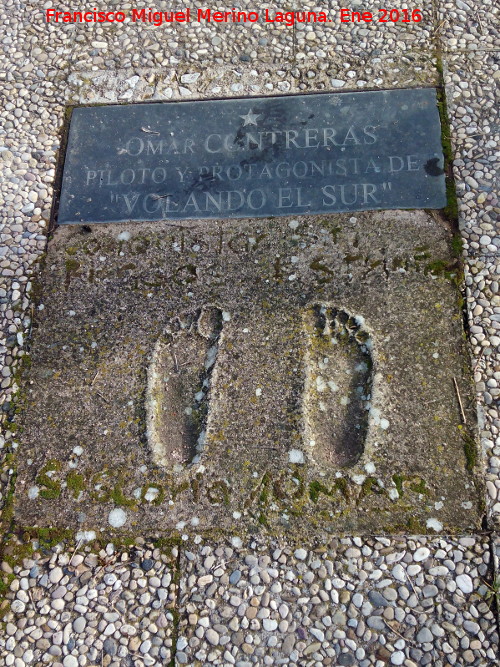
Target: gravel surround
point(355, 601)
point(446, 601)
point(91, 608)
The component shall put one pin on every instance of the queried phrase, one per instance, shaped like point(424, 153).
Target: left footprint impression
point(180, 378)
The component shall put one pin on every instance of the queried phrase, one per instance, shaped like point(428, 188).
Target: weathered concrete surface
point(291, 317)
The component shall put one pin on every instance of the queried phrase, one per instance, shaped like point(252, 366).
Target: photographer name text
point(198, 15)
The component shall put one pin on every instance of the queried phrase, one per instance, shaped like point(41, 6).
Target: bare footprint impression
point(180, 377)
point(338, 386)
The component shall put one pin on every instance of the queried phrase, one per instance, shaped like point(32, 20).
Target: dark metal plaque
point(255, 157)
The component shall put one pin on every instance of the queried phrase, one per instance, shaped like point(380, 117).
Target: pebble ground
point(357, 601)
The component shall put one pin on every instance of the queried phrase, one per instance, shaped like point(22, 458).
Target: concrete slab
point(289, 374)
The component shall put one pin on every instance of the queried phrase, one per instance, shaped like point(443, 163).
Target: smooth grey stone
point(147, 564)
point(377, 599)
point(376, 623)
point(416, 654)
point(109, 646)
point(471, 627)
point(430, 591)
point(235, 577)
point(425, 636)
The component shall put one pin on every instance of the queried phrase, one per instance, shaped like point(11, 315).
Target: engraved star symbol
point(250, 118)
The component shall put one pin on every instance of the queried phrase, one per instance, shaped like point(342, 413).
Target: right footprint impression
point(338, 386)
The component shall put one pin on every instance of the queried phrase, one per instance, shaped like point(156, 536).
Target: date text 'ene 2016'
point(385, 16)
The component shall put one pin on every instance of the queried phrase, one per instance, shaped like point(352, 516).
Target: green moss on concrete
point(398, 482)
point(342, 486)
point(457, 245)
point(119, 498)
point(72, 265)
point(315, 488)
point(419, 487)
point(52, 488)
point(50, 537)
point(415, 527)
point(370, 485)
point(75, 483)
point(5, 582)
point(451, 209)
point(470, 449)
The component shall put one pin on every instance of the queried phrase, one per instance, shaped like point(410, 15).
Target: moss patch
point(75, 483)
point(451, 210)
point(398, 481)
point(52, 488)
point(315, 488)
point(470, 449)
point(119, 498)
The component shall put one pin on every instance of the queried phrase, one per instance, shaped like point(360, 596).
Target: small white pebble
point(358, 479)
point(117, 517)
point(296, 456)
point(434, 524)
point(85, 536)
point(320, 384)
point(422, 553)
point(151, 494)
